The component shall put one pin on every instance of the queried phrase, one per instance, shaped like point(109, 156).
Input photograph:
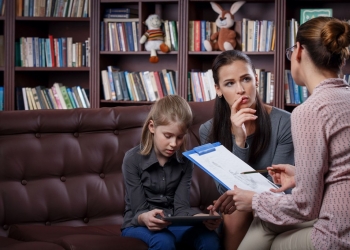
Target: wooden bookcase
point(182, 60)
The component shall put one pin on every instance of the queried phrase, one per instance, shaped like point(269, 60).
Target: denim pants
point(183, 237)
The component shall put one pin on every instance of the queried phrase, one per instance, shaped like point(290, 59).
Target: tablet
point(190, 220)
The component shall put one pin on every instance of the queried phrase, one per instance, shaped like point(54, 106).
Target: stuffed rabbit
point(225, 39)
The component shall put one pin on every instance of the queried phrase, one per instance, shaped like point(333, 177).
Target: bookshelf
point(13, 27)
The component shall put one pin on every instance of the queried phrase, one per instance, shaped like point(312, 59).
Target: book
point(151, 88)
point(124, 87)
point(66, 97)
point(120, 15)
point(111, 83)
point(19, 98)
point(77, 97)
point(138, 86)
point(121, 10)
point(81, 96)
point(217, 161)
point(307, 14)
point(106, 85)
point(25, 99)
point(58, 92)
point(86, 97)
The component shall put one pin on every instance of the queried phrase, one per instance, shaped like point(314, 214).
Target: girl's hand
point(282, 174)
point(151, 222)
point(238, 118)
point(212, 224)
point(242, 198)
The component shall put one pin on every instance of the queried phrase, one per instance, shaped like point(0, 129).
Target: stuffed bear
point(225, 39)
point(153, 38)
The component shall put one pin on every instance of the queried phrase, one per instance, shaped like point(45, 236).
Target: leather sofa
point(61, 185)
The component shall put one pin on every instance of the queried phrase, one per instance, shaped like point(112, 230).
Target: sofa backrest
point(63, 167)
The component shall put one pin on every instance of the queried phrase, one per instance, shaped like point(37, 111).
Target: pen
point(257, 171)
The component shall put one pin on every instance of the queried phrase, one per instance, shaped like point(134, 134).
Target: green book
point(307, 14)
point(66, 97)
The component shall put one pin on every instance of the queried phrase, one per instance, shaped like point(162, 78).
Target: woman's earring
point(220, 96)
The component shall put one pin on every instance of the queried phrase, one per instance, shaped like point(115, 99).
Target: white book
point(135, 36)
point(268, 87)
point(250, 35)
point(210, 77)
point(105, 85)
point(150, 80)
point(86, 9)
point(69, 51)
point(148, 86)
point(30, 59)
point(25, 99)
point(69, 11)
point(244, 34)
point(74, 55)
point(76, 100)
point(204, 85)
point(59, 93)
point(263, 35)
point(86, 99)
point(167, 34)
point(81, 97)
point(31, 102)
point(48, 8)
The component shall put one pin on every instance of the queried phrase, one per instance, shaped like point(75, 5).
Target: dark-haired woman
point(316, 214)
point(257, 133)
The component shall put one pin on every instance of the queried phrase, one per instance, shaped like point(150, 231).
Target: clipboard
point(226, 168)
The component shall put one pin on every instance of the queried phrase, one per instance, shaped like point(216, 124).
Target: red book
point(52, 51)
point(159, 86)
point(197, 35)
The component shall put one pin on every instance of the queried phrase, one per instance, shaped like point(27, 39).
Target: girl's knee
point(162, 240)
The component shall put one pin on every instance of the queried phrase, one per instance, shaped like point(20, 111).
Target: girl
point(257, 133)
point(157, 180)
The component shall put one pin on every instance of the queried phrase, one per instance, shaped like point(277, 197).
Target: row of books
point(198, 32)
point(122, 34)
point(121, 13)
point(294, 94)
point(291, 32)
point(1, 98)
point(266, 85)
point(53, 8)
point(201, 86)
point(137, 86)
point(56, 97)
point(119, 35)
point(52, 52)
point(258, 35)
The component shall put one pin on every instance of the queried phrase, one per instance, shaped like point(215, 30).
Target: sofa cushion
point(11, 244)
point(52, 233)
point(86, 237)
point(101, 242)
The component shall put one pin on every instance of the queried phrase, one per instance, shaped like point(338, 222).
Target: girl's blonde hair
point(171, 108)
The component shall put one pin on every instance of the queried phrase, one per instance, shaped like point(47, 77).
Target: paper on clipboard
point(226, 168)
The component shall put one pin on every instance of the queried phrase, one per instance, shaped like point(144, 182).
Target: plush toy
point(225, 39)
point(154, 37)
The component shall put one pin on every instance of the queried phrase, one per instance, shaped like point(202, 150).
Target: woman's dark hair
point(221, 129)
point(326, 39)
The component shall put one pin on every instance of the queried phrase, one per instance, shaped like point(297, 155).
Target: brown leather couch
point(61, 185)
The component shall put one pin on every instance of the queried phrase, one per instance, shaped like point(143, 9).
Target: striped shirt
point(155, 35)
point(321, 137)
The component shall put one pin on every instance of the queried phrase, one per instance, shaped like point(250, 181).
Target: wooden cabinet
point(182, 60)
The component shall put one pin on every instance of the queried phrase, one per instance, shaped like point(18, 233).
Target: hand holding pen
point(282, 174)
